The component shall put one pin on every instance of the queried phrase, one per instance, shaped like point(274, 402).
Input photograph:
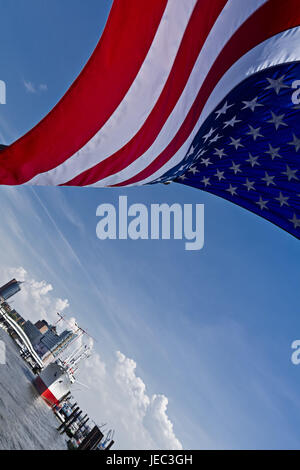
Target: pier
point(74, 423)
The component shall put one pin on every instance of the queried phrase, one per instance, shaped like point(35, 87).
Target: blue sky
point(211, 330)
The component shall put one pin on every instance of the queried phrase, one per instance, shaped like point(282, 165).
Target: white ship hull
point(53, 383)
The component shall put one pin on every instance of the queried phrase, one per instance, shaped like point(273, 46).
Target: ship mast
point(77, 334)
point(83, 353)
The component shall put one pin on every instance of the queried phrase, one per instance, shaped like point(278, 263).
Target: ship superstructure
point(55, 380)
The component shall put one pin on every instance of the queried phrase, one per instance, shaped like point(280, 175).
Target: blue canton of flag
point(248, 149)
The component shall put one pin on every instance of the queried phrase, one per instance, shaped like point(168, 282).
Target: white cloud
point(158, 423)
point(29, 86)
point(32, 88)
point(117, 396)
point(33, 301)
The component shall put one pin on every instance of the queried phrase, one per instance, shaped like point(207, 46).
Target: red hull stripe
point(255, 30)
point(50, 398)
point(44, 391)
point(92, 98)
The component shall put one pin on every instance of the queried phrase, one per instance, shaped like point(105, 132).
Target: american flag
point(193, 91)
point(248, 149)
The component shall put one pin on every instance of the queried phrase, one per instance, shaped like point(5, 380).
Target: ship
point(55, 380)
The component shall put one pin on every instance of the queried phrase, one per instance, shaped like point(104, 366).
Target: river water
point(26, 422)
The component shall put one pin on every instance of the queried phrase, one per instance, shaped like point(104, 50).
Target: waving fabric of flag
point(201, 92)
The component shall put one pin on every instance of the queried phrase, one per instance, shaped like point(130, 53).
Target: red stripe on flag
point(200, 24)
point(92, 98)
point(267, 21)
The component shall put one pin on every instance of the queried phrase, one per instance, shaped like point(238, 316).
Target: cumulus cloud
point(158, 423)
point(116, 394)
point(33, 301)
point(121, 400)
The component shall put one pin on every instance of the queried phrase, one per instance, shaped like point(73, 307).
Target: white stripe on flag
point(234, 14)
point(137, 104)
